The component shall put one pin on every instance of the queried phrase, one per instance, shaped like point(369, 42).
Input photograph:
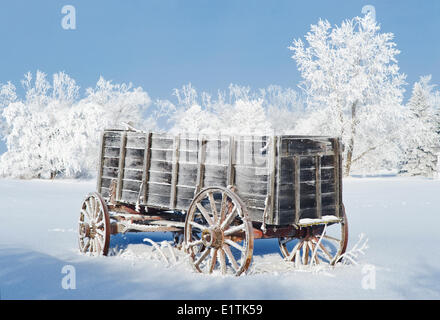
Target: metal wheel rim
point(94, 226)
point(226, 219)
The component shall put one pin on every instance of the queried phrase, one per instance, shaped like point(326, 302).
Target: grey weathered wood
point(306, 169)
point(101, 164)
point(231, 162)
point(318, 186)
point(270, 188)
point(200, 165)
point(121, 166)
point(337, 169)
point(175, 167)
point(297, 168)
point(146, 168)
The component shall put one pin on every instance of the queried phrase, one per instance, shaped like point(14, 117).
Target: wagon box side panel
point(251, 167)
point(308, 179)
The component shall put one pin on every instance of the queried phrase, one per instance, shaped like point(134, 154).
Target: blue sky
point(163, 44)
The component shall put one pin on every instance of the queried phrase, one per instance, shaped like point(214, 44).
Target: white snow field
point(399, 216)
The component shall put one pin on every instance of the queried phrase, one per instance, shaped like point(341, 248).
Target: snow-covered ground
point(399, 216)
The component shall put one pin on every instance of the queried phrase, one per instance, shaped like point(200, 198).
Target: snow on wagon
point(219, 193)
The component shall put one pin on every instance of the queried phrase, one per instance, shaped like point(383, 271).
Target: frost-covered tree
point(239, 110)
point(421, 155)
point(51, 131)
point(353, 89)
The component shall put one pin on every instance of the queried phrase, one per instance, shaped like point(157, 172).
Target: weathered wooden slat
point(136, 141)
point(160, 177)
point(159, 189)
point(184, 192)
point(164, 166)
point(131, 185)
point(111, 152)
point(297, 189)
point(175, 168)
point(111, 162)
point(128, 196)
point(162, 154)
point(134, 163)
point(215, 181)
point(318, 186)
point(273, 178)
point(158, 200)
point(337, 173)
point(121, 166)
point(105, 192)
point(106, 182)
point(305, 146)
point(161, 143)
point(101, 164)
point(134, 153)
point(310, 175)
point(259, 188)
point(133, 174)
point(200, 166)
point(188, 156)
point(230, 172)
point(109, 172)
point(112, 140)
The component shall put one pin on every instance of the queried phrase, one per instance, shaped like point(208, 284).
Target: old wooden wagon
point(217, 194)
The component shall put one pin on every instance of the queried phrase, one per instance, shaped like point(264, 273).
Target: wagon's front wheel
point(94, 226)
point(317, 244)
point(224, 232)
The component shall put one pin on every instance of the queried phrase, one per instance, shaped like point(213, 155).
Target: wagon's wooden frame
point(285, 187)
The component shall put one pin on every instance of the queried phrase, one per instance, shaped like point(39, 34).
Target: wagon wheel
point(226, 241)
point(316, 244)
point(94, 226)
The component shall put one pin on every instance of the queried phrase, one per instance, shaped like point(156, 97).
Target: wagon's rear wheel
point(317, 244)
point(224, 232)
point(94, 226)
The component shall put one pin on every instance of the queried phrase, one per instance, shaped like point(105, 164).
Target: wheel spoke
point(87, 210)
point(222, 261)
point(213, 208)
point(295, 249)
point(229, 218)
point(202, 257)
point(234, 229)
point(198, 226)
point(230, 257)
point(213, 260)
point(195, 243)
point(332, 238)
point(223, 207)
point(235, 245)
point(205, 213)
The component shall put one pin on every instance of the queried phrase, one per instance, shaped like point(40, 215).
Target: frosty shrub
point(52, 132)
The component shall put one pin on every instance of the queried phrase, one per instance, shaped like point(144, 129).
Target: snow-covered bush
point(51, 131)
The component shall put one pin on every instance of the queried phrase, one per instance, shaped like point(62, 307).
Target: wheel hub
point(212, 237)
